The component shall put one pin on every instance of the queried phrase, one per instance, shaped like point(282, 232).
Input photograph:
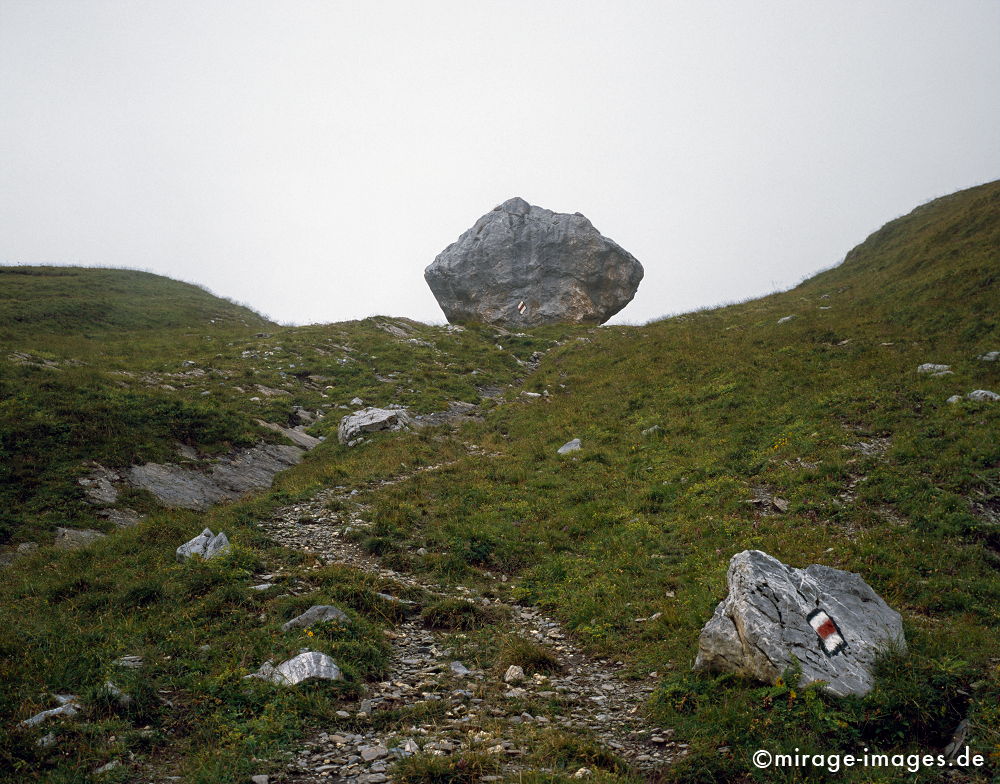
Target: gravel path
point(473, 710)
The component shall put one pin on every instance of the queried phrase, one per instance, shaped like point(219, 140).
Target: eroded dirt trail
point(473, 710)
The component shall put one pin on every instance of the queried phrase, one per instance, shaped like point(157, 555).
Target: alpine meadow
point(494, 603)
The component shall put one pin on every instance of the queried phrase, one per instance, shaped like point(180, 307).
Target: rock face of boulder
point(522, 266)
point(831, 621)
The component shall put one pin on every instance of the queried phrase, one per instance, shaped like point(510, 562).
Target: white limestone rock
point(829, 620)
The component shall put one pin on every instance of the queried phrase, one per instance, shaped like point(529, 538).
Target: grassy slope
point(124, 390)
point(153, 363)
point(826, 410)
point(71, 300)
point(630, 526)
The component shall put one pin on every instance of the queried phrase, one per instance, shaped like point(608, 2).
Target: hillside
point(75, 300)
point(596, 569)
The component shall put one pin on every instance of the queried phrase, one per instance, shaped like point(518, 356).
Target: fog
point(311, 158)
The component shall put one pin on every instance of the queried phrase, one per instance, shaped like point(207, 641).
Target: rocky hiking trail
point(491, 713)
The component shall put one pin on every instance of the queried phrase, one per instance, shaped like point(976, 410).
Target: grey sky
point(311, 158)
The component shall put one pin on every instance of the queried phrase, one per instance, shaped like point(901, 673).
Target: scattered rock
point(47, 741)
point(316, 614)
point(514, 674)
point(297, 437)
point(369, 420)
point(75, 538)
point(830, 620)
point(983, 396)
point(459, 669)
point(456, 413)
point(107, 768)
point(99, 486)
point(990, 356)
point(68, 706)
point(371, 753)
point(206, 544)
point(955, 399)
point(583, 773)
point(309, 664)
point(524, 266)
point(269, 392)
point(931, 368)
point(260, 779)
point(570, 446)
point(649, 431)
point(958, 737)
point(785, 319)
point(131, 662)
point(228, 478)
point(121, 518)
point(117, 694)
point(24, 548)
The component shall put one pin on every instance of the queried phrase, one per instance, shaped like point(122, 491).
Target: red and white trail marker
point(826, 629)
point(521, 307)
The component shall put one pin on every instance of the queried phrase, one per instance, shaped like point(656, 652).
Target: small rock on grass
point(514, 674)
point(206, 544)
point(75, 538)
point(308, 664)
point(930, 367)
point(983, 396)
point(318, 613)
point(570, 446)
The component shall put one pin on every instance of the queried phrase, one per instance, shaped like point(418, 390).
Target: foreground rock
point(370, 420)
point(521, 265)
point(206, 544)
point(226, 480)
point(829, 620)
point(309, 664)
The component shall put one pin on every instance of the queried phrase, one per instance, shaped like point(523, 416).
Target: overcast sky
point(311, 158)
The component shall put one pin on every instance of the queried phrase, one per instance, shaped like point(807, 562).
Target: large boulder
point(522, 266)
point(829, 620)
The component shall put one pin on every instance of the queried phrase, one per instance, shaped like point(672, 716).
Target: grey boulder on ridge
point(829, 620)
point(522, 266)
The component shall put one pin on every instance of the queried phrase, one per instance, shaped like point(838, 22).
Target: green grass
point(826, 411)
